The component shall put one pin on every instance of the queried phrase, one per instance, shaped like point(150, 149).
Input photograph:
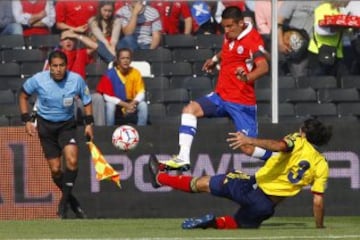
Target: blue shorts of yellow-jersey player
point(255, 205)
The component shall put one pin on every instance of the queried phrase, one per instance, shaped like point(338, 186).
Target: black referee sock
point(58, 181)
point(68, 182)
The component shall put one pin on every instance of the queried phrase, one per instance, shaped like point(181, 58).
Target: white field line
point(215, 238)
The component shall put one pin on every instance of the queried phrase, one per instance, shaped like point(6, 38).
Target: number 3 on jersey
point(296, 177)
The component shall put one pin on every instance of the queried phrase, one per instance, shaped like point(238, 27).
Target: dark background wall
point(27, 192)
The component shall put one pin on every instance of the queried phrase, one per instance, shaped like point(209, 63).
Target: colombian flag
point(103, 169)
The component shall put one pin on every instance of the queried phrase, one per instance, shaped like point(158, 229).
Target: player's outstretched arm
point(318, 209)
point(238, 139)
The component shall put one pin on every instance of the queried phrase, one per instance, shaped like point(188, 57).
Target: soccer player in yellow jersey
point(291, 164)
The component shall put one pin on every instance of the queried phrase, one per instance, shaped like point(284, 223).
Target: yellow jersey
point(286, 173)
point(133, 82)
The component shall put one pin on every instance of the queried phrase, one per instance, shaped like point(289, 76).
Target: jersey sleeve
point(30, 85)
point(84, 92)
point(321, 177)
point(258, 47)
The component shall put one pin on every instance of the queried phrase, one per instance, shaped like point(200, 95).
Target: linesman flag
point(104, 170)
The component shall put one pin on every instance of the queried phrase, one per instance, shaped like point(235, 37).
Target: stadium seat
point(12, 41)
point(190, 82)
point(286, 82)
point(10, 70)
point(350, 81)
point(209, 41)
point(286, 110)
point(191, 55)
point(315, 109)
point(178, 41)
point(92, 82)
point(196, 93)
point(294, 95)
point(4, 121)
point(156, 83)
point(174, 109)
point(154, 95)
point(172, 69)
point(263, 82)
point(96, 69)
point(349, 109)
point(144, 68)
point(23, 55)
point(263, 110)
point(7, 96)
point(44, 41)
point(263, 95)
point(176, 95)
point(30, 68)
point(338, 95)
point(152, 55)
point(157, 112)
point(13, 83)
point(317, 82)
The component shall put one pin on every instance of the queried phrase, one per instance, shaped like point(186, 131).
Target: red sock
point(226, 222)
point(181, 182)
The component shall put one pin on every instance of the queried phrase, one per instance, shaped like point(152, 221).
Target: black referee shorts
point(54, 136)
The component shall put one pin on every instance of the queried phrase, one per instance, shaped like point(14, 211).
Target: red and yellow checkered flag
point(104, 170)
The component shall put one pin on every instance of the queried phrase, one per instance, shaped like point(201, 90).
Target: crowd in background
point(103, 27)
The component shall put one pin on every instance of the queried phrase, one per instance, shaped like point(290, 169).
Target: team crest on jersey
point(240, 50)
point(87, 91)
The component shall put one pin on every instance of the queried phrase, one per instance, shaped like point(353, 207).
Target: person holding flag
point(56, 90)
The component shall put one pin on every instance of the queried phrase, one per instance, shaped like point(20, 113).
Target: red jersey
point(241, 52)
point(34, 8)
point(75, 13)
point(77, 61)
point(171, 13)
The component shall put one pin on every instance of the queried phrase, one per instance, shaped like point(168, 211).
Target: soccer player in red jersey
point(242, 62)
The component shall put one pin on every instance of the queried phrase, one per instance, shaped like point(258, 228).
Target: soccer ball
point(125, 137)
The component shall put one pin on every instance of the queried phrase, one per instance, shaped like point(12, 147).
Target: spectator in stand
point(78, 56)
point(262, 10)
point(327, 36)
point(221, 5)
point(141, 26)
point(106, 29)
point(295, 15)
point(36, 17)
point(74, 15)
point(202, 17)
point(8, 25)
point(353, 9)
point(122, 86)
point(171, 14)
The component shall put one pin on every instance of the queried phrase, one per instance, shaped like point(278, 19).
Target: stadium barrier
point(27, 192)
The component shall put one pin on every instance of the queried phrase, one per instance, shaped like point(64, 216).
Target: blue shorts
point(243, 116)
point(241, 188)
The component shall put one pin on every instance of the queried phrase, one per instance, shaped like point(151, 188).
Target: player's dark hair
point(233, 13)
point(57, 54)
point(316, 132)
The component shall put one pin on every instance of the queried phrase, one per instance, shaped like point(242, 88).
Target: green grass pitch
point(158, 229)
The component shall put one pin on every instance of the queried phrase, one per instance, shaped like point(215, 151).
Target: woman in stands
point(105, 28)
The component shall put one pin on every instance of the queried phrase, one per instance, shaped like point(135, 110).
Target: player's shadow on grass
point(286, 225)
